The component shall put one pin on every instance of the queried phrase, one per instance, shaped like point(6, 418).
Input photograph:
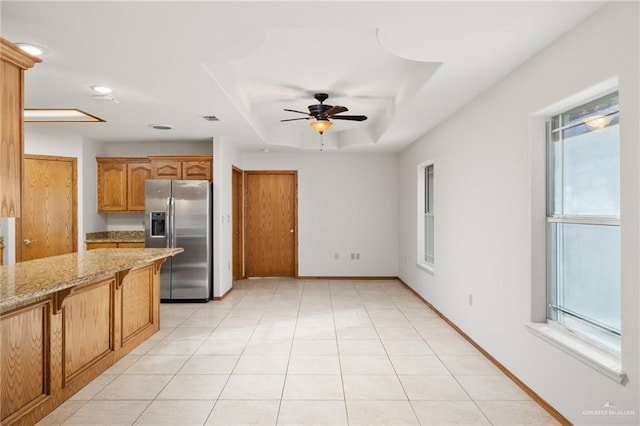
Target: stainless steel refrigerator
point(178, 214)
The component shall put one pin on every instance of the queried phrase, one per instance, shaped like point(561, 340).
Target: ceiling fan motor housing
point(318, 111)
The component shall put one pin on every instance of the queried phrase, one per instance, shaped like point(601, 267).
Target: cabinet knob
point(27, 241)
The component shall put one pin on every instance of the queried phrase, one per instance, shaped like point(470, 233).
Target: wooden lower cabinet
point(130, 245)
point(51, 348)
point(24, 358)
point(92, 246)
point(87, 341)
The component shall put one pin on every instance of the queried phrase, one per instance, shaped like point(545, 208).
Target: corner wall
point(347, 203)
point(485, 215)
point(225, 156)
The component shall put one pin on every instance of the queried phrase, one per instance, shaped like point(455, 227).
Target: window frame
point(555, 313)
point(425, 208)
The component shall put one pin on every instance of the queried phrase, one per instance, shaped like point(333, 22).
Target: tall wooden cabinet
point(13, 63)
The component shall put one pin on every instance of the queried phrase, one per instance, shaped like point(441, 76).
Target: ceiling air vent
point(161, 126)
point(210, 118)
point(108, 99)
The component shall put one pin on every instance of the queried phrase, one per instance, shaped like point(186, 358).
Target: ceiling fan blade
point(293, 119)
point(299, 112)
point(349, 117)
point(337, 109)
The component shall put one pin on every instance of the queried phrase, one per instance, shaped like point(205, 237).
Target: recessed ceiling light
point(31, 49)
point(101, 89)
point(59, 115)
point(161, 126)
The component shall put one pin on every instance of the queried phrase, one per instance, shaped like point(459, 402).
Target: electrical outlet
point(357, 256)
point(336, 256)
point(353, 256)
point(471, 300)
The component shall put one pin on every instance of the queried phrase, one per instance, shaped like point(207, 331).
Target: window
point(428, 215)
point(583, 220)
point(426, 232)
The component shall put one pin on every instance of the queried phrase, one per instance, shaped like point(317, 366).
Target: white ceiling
point(406, 65)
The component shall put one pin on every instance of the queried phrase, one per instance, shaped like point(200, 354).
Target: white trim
point(427, 267)
point(583, 97)
point(585, 220)
point(595, 356)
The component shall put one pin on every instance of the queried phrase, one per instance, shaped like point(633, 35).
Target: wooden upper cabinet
point(137, 174)
point(166, 169)
point(121, 183)
point(112, 185)
point(196, 170)
point(182, 167)
point(13, 62)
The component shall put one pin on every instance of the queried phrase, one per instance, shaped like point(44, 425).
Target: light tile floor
point(295, 352)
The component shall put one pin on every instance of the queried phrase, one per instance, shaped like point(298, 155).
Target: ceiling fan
point(321, 113)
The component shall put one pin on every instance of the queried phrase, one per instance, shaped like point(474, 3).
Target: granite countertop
point(25, 281)
point(115, 237)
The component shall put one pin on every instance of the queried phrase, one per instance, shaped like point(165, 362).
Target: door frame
point(295, 207)
point(74, 200)
point(237, 207)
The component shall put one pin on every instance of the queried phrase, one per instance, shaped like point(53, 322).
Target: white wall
point(93, 221)
point(225, 156)
point(347, 203)
point(486, 207)
point(143, 149)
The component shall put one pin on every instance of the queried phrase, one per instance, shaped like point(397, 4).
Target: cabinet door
point(112, 186)
point(166, 169)
point(92, 246)
point(196, 170)
point(130, 245)
point(137, 174)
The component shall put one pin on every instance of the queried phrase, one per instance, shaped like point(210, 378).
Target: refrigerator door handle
point(172, 205)
point(168, 215)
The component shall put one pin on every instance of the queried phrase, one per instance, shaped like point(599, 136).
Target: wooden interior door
point(236, 223)
point(270, 223)
point(48, 224)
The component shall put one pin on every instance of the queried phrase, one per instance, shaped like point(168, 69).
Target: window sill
point(598, 358)
point(427, 267)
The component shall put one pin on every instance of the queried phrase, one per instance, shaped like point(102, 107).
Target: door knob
point(291, 230)
point(27, 241)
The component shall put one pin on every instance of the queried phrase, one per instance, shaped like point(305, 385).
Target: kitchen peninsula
point(66, 319)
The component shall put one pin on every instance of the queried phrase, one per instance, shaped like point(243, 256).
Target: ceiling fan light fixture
point(321, 125)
